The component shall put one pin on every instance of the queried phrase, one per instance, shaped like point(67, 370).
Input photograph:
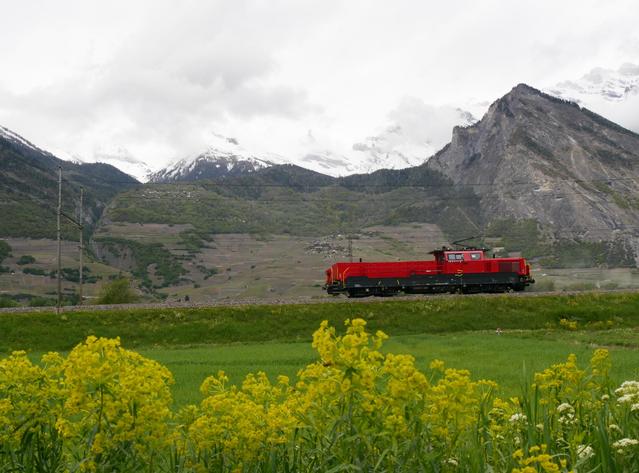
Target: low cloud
point(160, 92)
point(157, 77)
point(416, 130)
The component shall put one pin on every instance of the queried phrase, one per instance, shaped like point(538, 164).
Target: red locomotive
point(466, 270)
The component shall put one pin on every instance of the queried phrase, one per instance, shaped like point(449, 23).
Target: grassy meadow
point(358, 404)
point(462, 331)
point(508, 359)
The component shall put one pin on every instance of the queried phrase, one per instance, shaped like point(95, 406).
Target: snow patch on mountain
point(117, 156)
point(224, 156)
point(328, 162)
point(415, 131)
point(123, 159)
point(613, 93)
point(15, 138)
point(613, 85)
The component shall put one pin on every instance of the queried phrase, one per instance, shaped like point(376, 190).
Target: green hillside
point(292, 201)
point(29, 191)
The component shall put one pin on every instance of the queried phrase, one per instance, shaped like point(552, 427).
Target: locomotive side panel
point(453, 271)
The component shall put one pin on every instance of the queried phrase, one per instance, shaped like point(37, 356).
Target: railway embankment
point(288, 321)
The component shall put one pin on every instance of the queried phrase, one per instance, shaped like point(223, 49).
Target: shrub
point(5, 250)
point(39, 301)
point(26, 259)
point(73, 275)
point(117, 292)
point(34, 271)
point(7, 302)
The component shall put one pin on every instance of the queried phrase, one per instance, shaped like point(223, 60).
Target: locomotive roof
point(446, 249)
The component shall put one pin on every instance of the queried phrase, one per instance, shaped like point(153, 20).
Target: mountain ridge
point(28, 188)
point(536, 156)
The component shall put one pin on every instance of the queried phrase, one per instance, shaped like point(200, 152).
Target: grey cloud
point(427, 124)
point(161, 72)
point(172, 78)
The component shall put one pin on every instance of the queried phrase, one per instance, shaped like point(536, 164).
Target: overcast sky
point(158, 77)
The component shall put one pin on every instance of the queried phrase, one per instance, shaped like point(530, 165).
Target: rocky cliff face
point(533, 156)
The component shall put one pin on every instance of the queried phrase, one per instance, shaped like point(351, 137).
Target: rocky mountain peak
point(535, 156)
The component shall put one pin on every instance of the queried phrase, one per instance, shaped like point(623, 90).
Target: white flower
point(614, 427)
point(632, 385)
point(565, 407)
point(584, 452)
point(567, 420)
point(452, 462)
point(623, 444)
point(628, 392)
point(566, 413)
point(517, 417)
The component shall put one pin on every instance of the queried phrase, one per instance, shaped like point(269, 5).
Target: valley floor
point(252, 267)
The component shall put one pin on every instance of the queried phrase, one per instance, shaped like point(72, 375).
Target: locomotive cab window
point(475, 256)
point(455, 257)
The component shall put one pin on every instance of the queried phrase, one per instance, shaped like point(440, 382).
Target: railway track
point(298, 301)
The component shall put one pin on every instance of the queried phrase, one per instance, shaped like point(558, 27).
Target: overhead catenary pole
point(59, 239)
point(81, 244)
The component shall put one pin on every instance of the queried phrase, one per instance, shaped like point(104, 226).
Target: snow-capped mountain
point(117, 156)
point(123, 159)
point(224, 157)
point(416, 132)
point(609, 92)
point(328, 162)
point(406, 145)
point(17, 139)
point(613, 85)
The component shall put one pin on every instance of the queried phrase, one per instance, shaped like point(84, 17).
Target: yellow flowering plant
point(116, 406)
point(103, 408)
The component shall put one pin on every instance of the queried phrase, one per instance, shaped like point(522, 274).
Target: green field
point(194, 343)
point(508, 359)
